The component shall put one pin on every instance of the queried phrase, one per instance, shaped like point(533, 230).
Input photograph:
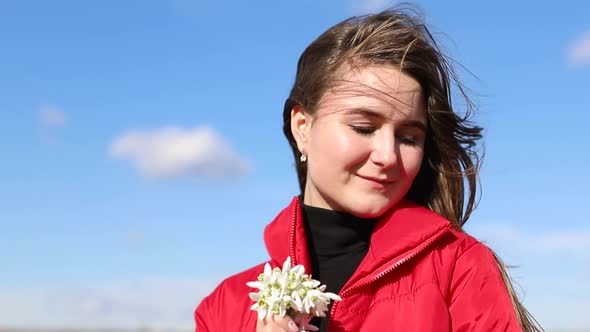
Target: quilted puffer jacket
point(419, 274)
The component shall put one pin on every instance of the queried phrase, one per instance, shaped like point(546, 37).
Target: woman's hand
point(278, 323)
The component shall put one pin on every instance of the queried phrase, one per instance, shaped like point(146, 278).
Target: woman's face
point(365, 143)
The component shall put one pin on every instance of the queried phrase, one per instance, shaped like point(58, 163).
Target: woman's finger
point(308, 327)
point(277, 323)
point(286, 323)
point(304, 323)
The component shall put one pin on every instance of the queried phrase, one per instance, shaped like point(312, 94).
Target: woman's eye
point(366, 131)
point(409, 140)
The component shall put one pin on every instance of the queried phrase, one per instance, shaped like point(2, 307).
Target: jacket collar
point(400, 231)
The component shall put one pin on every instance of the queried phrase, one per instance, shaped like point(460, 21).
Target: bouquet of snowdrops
point(289, 292)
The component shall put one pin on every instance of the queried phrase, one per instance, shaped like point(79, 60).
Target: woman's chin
point(372, 206)
point(370, 210)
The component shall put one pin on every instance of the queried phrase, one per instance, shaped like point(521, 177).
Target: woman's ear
point(300, 125)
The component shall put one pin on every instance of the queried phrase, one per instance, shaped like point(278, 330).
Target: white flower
point(289, 291)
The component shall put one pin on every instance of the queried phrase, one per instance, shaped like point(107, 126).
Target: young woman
point(388, 176)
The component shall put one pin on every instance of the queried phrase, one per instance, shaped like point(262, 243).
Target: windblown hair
point(447, 182)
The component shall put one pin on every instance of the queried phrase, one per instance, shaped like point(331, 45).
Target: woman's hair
point(397, 39)
point(447, 182)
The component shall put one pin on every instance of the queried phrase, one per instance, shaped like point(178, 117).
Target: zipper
point(292, 235)
point(394, 266)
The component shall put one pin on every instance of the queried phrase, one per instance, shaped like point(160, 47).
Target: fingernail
point(293, 327)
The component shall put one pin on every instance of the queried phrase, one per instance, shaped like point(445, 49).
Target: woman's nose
point(384, 152)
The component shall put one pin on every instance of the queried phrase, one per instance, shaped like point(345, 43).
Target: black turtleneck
point(337, 244)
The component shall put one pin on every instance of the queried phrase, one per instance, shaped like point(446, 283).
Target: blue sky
point(102, 226)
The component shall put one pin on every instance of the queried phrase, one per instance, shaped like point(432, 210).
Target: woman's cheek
point(413, 160)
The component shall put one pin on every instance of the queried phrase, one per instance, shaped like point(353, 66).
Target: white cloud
point(574, 243)
point(52, 116)
point(166, 303)
point(579, 52)
point(174, 152)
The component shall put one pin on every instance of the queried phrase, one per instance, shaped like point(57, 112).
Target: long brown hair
point(447, 182)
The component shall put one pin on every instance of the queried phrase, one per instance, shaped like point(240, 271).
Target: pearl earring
point(303, 158)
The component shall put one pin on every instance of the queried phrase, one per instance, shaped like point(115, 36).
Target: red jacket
point(419, 274)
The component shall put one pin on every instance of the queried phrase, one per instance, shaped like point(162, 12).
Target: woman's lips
point(377, 182)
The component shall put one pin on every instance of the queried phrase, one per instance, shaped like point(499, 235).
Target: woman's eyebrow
point(366, 112)
point(374, 114)
point(413, 124)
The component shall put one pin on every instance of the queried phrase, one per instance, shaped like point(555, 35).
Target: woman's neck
point(334, 232)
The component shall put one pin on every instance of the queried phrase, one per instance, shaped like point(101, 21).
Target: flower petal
point(287, 265)
point(255, 284)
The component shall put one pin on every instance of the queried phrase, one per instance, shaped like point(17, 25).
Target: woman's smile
point(377, 183)
point(364, 146)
